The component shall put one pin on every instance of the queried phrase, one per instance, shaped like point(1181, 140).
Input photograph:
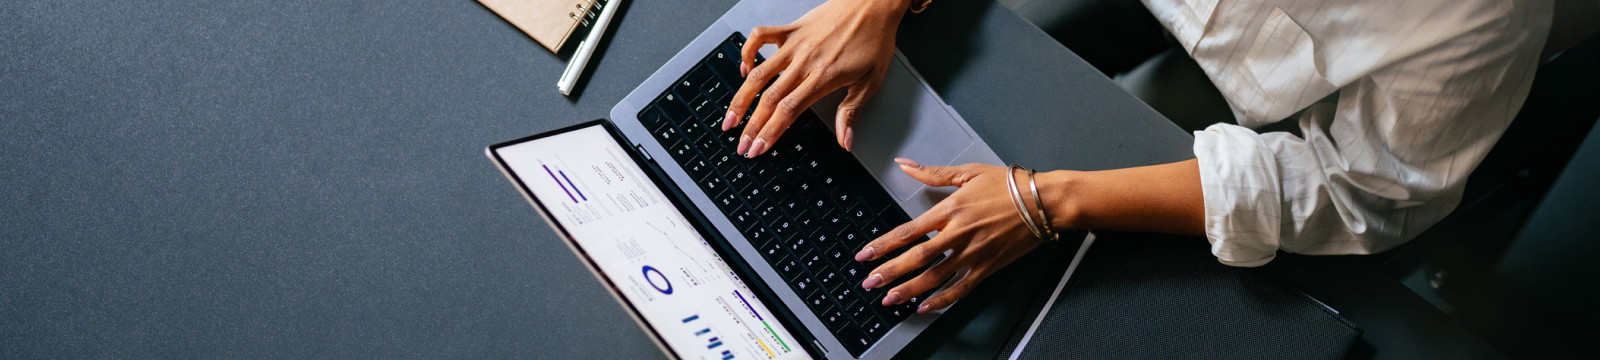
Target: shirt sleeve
point(1385, 162)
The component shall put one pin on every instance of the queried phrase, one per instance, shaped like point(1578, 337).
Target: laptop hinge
point(818, 343)
point(645, 154)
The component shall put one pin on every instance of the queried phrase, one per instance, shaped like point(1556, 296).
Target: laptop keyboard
point(807, 205)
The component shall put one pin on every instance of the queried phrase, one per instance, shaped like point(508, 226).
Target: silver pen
point(569, 78)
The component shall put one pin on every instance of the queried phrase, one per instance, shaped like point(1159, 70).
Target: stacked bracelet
point(1042, 229)
point(1049, 229)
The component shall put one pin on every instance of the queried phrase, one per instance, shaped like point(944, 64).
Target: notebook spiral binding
point(587, 11)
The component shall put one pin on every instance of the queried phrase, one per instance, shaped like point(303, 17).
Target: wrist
point(894, 9)
point(1057, 189)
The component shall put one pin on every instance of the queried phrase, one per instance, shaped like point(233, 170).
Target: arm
point(981, 227)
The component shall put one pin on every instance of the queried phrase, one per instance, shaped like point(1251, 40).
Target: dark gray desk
point(305, 178)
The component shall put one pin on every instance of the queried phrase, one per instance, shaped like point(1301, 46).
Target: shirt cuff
point(1239, 179)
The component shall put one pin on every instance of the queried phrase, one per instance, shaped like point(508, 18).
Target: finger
point(761, 36)
point(925, 282)
point(769, 100)
point(914, 257)
point(849, 111)
point(759, 77)
point(940, 175)
point(784, 114)
point(932, 220)
point(956, 291)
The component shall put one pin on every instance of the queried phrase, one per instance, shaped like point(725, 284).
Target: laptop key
point(703, 106)
point(668, 135)
point(853, 272)
point(652, 118)
point(692, 130)
point(891, 314)
point(854, 340)
point(829, 278)
point(725, 163)
point(683, 151)
point(787, 266)
point(812, 261)
point(807, 288)
point(775, 253)
point(852, 239)
point(714, 88)
point(755, 196)
point(798, 245)
point(728, 201)
point(697, 168)
point(860, 311)
point(757, 234)
point(836, 255)
point(834, 319)
point(713, 184)
point(846, 296)
point(785, 230)
point(739, 180)
point(673, 108)
point(743, 217)
point(874, 329)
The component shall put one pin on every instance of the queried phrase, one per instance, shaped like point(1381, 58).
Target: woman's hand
point(981, 228)
point(842, 43)
point(978, 223)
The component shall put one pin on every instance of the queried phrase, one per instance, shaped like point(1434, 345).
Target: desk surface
point(306, 179)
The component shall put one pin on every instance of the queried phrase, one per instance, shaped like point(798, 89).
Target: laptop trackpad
point(906, 120)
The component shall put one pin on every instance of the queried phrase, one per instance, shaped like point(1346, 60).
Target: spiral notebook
point(550, 22)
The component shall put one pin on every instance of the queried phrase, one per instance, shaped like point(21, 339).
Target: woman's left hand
point(978, 224)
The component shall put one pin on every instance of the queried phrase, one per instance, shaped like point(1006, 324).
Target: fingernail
point(866, 254)
point(872, 282)
point(760, 146)
point(907, 163)
point(892, 299)
point(744, 69)
point(744, 144)
point(925, 308)
point(849, 136)
point(728, 120)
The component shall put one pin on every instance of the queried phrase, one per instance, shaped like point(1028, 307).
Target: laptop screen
point(645, 247)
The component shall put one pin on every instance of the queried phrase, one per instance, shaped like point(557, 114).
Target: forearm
point(1159, 198)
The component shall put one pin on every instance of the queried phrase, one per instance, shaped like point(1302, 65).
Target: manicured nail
point(866, 254)
point(744, 144)
point(908, 163)
point(849, 136)
point(760, 146)
point(728, 121)
point(892, 299)
point(744, 69)
point(872, 282)
point(925, 308)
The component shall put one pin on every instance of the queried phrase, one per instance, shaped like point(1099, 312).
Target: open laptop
point(722, 257)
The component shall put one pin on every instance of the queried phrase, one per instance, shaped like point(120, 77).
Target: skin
point(848, 44)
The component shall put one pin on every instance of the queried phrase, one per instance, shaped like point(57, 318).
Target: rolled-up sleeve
point(1416, 107)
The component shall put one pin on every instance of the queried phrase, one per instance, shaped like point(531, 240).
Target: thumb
point(850, 111)
point(936, 175)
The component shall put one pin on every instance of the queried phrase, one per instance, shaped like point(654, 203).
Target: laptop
point(722, 257)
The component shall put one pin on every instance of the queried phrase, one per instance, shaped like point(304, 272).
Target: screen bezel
point(803, 338)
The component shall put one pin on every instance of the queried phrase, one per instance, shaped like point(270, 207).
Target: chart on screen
point(648, 249)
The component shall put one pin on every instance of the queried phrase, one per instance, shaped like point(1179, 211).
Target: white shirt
point(1423, 89)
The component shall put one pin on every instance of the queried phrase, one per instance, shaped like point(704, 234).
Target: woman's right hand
point(841, 43)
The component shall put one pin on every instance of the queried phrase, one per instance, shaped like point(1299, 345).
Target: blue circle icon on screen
point(664, 287)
